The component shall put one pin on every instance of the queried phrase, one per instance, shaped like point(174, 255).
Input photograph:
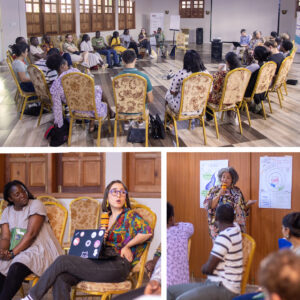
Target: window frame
point(194, 10)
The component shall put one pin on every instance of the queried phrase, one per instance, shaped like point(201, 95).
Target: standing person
point(160, 42)
point(37, 249)
point(100, 46)
point(144, 42)
point(128, 42)
point(86, 46)
point(126, 237)
point(36, 51)
point(224, 266)
point(115, 42)
point(178, 235)
point(226, 192)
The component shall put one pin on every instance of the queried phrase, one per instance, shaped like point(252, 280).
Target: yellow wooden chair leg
point(23, 107)
point(73, 293)
point(263, 109)
point(99, 132)
point(268, 98)
point(216, 125)
point(239, 118)
point(146, 132)
point(109, 124)
point(282, 97)
point(41, 113)
point(279, 98)
point(222, 116)
point(121, 128)
point(248, 114)
point(165, 121)
point(70, 132)
point(285, 88)
point(176, 132)
point(17, 96)
point(190, 123)
point(115, 132)
point(21, 290)
point(204, 131)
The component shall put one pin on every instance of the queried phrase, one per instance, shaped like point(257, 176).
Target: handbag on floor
point(58, 136)
point(157, 127)
point(136, 135)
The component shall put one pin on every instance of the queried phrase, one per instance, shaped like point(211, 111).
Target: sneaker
point(128, 124)
point(151, 56)
point(140, 124)
point(233, 119)
point(110, 66)
point(85, 65)
point(117, 65)
point(27, 298)
point(92, 75)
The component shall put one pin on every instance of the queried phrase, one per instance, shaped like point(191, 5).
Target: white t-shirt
point(35, 50)
point(86, 46)
point(228, 247)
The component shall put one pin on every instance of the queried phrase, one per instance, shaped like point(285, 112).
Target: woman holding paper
point(125, 243)
point(226, 192)
point(38, 247)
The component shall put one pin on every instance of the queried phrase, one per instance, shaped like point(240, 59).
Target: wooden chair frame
point(222, 109)
point(181, 117)
point(248, 100)
point(75, 117)
point(144, 116)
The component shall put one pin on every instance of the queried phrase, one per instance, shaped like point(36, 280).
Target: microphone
point(104, 219)
point(223, 186)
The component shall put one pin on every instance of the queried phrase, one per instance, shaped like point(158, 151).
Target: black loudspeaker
point(199, 36)
point(216, 50)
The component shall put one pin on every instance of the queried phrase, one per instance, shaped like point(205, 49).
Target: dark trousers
point(27, 86)
point(146, 44)
point(133, 45)
point(108, 53)
point(67, 57)
point(10, 284)
point(68, 270)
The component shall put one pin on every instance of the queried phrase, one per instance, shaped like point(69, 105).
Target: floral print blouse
point(234, 197)
point(127, 225)
point(58, 97)
point(218, 83)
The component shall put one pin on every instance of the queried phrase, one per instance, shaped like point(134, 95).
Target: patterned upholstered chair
point(3, 205)
point(194, 95)
point(182, 40)
point(84, 214)
point(24, 95)
point(235, 84)
point(105, 290)
point(262, 84)
point(130, 92)
point(281, 79)
point(248, 253)
point(41, 88)
point(80, 94)
point(47, 198)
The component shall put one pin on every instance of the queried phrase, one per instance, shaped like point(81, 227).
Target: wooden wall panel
point(264, 225)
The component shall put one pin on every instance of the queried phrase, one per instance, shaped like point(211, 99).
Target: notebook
point(16, 236)
point(87, 243)
point(236, 44)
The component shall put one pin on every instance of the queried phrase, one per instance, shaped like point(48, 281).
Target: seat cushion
point(103, 287)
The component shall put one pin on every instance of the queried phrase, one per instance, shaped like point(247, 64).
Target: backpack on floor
point(57, 136)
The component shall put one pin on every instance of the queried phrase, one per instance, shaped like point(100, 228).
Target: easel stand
point(174, 30)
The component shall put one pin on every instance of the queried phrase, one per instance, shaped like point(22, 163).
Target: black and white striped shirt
point(228, 247)
point(50, 75)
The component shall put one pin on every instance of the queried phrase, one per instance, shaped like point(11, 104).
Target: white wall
point(113, 171)
point(288, 21)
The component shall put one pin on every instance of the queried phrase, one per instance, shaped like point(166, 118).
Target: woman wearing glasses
point(126, 237)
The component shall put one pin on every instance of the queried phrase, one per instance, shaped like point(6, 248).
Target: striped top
point(228, 247)
point(50, 75)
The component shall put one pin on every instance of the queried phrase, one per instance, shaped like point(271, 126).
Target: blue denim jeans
point(207, 290)
point(108, 53)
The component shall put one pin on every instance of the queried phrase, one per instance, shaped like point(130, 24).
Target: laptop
point(236, 44)
point(87, 243)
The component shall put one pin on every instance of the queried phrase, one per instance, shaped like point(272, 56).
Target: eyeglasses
point(115, 192)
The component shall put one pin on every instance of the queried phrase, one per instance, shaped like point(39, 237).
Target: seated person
point(38, 248)
point(160, 42)
point(128, 42)
point(286, 48)
point(46, 43)
point(261, 55)
point(115, 42)
point(126, 237)
point(285, 37)
point(100, 46)
point(244, 42)
point(20, 67)
point(57, 63)
point(178, 235)
point(224, 266)
point(144, 42)
point(192, 63)
point(275, 56)
point(129, 59)
point(86, 46)
point(257, 40)
point(35, 51)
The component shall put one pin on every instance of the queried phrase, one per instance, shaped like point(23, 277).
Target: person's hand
point(153, 288)
point(222, 192)
point(5, 254)
point(126, 252)
point(150, 267)
point(251, 202)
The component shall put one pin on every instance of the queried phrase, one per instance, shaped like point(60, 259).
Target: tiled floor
point(282, 128)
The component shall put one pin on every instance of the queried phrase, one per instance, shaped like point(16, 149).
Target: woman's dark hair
point(233, 61)
point(272, 44)
point(20, 48)
point(85, 37)
point(20, 39)
point(8, 187)
point(287, 45)
point(274, 34)
point(292, 222)
point(261, 54)
point(54, 62)
point(66, 36)
point(105, 207)
point(192, 62)
point(233, 173)
point(170, 211)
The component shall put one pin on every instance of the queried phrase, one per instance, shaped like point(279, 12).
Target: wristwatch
point(11, 254)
